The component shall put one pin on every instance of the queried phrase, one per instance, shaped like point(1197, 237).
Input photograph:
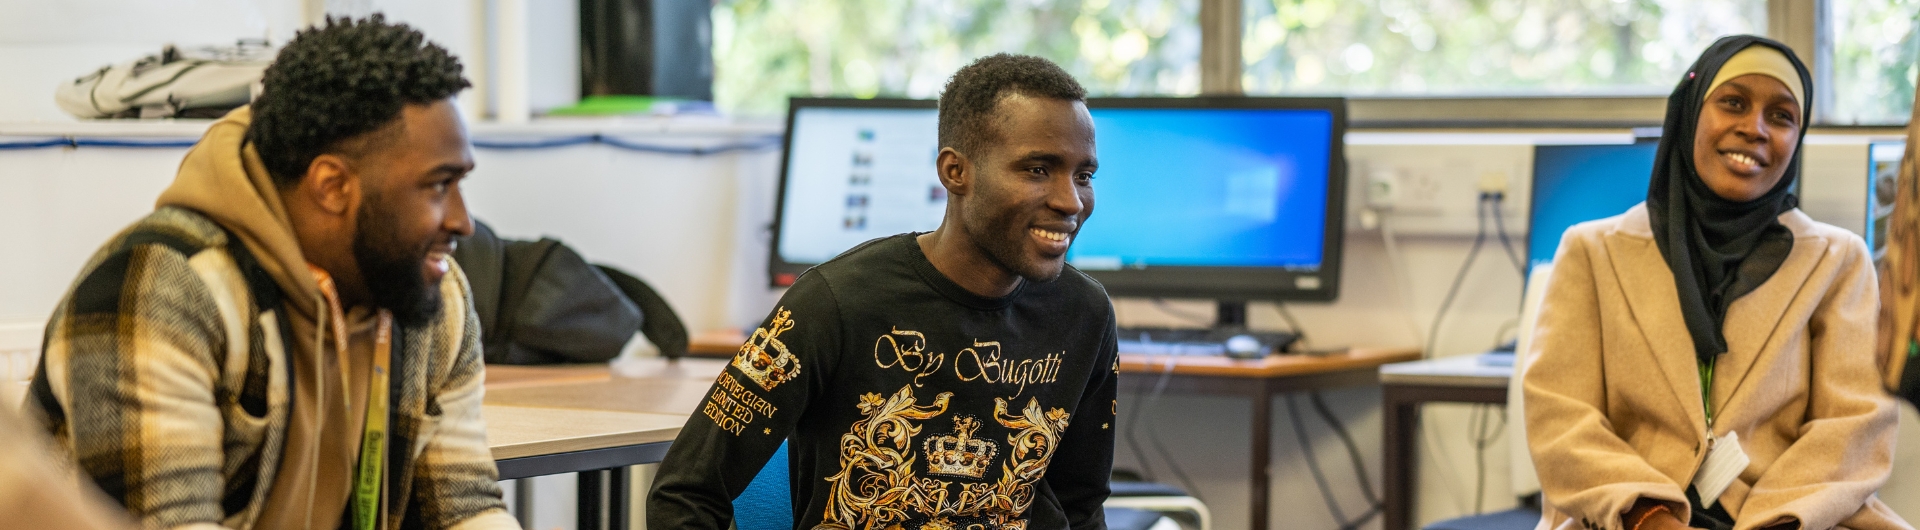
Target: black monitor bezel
point(1218, 283)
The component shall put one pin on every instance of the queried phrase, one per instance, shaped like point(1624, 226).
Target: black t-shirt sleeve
point(753, 405)
point(1081, 469)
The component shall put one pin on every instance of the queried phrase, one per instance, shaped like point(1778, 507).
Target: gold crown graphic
point(765, 359)
point(960, 454)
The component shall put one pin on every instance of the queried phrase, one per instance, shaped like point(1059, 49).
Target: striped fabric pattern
point(170, 388)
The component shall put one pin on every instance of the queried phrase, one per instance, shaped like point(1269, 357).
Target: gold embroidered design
point(878, 488)
point(960, 454)
point(911, 356)
point(987, 365)
point(876, 470)
point(765, 359)
point(1033, 446)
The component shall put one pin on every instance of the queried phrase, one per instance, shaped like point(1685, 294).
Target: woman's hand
point(1649, 514)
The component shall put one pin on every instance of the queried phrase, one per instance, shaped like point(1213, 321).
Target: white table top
point(514, 432)
point(1458, 370)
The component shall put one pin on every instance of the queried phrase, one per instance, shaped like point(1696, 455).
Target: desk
point(1406, 386)
point(1258, 380)
point(547, 420)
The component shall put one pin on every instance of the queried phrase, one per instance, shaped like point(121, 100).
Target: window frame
point(1801, 24)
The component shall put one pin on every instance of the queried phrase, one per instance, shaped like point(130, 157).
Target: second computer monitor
point(1573, 184)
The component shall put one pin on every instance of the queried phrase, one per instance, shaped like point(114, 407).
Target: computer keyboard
point(1198, 341)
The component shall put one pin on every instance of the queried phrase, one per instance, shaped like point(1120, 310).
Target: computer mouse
point(1245, 346)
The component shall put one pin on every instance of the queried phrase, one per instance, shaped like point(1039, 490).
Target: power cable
point(1459, 278)
point(1375, 506)
point(1191, 318)
point(1299, 333)
point(1153, 434)
point(1313, 465)
point(1133, 425)
point(1500, 226)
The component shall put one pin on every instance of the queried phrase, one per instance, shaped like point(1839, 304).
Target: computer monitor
point(1229, 198)
point(1573, 184)
point(854, 170)
point(1883, 175)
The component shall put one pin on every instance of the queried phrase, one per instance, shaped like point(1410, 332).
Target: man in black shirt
point(962, 378)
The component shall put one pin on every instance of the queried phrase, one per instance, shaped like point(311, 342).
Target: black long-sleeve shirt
point(908, 400)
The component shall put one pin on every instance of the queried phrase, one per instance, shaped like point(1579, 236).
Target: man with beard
point(283, 342)
point(962, 378)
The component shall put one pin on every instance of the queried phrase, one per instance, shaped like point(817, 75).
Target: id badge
point(1725, 461)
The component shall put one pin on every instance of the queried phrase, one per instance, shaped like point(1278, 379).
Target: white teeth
point(1744, 159)
point(1054, 236)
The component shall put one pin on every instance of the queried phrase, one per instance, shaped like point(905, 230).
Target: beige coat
point(1613, 395)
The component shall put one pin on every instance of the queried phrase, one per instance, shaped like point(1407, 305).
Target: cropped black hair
point(966, 106)
point(334, 83)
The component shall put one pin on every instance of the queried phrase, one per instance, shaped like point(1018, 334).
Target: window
point(767, 50)
point(1483, 47)
point(1874, 56)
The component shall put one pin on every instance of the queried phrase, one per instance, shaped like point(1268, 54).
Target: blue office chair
point(767, 504)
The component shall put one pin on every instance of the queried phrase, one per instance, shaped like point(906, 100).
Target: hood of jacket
point(223, 178)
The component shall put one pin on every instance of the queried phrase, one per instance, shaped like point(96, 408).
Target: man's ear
point(331, 184)
point(956, 172)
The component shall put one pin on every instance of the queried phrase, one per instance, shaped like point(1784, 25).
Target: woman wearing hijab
point(1706, 359)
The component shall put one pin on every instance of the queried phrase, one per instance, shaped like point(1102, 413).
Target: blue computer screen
point(1573, 184)
point(1176, 187)
point(1207, 187)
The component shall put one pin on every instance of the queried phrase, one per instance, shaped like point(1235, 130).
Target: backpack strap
point(267, 296)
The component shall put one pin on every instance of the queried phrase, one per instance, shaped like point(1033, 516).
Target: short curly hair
point(334, 83)
point(966, 106)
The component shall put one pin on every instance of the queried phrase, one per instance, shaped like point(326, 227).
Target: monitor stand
point(1231, 317)
point(1230, 320)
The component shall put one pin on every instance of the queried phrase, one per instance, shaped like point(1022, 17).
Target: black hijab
point(1718, 249)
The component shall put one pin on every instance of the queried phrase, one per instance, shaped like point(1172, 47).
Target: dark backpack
point(541, 303)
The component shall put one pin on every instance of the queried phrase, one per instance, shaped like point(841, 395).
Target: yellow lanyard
point(367, 478)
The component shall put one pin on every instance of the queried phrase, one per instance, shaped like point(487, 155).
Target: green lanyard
point(373, 444)
point(1706, 392)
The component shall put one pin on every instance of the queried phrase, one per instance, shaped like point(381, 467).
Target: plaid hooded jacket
point(165, 376)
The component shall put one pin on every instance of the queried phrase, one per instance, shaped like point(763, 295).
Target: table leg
point(1262, 454)
point(523, 501)
point(619, 498)
point(591, 500)
point(1402, 426)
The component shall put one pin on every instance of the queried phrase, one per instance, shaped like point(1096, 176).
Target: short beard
point(993, 236)
point(390, 269)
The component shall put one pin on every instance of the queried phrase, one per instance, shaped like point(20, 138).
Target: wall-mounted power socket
point(1435, 189)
